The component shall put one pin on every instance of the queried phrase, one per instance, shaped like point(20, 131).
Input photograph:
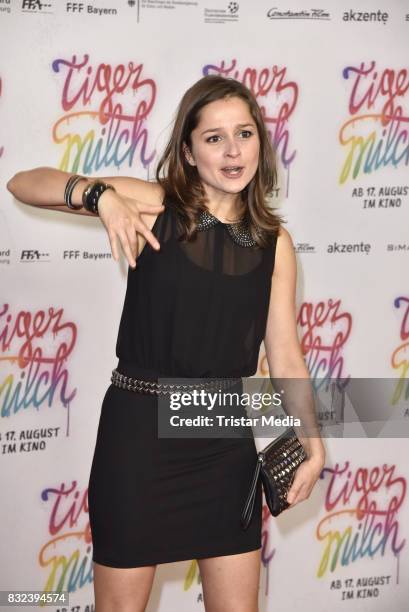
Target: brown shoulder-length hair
point(181, 181)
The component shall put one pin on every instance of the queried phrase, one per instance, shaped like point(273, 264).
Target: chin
point(236, 188)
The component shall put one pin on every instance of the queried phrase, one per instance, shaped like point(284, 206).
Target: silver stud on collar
point(238, 231)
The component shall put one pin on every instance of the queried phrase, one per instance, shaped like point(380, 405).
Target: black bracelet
point(69, 188)
point(92, 193)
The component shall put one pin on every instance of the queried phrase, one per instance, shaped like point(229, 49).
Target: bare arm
point(45, 186)
point(283, 351)
point(288, 370)
point(128, 214)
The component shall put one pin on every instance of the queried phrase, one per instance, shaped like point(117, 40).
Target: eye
point(244, 134)
point(211, 137)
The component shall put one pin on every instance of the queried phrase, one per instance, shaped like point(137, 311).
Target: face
point(225, 147)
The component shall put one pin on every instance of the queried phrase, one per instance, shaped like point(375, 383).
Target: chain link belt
point(152, 387)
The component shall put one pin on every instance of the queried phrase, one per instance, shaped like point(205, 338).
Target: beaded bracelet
point(92, 193)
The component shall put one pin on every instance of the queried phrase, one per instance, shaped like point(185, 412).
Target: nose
point(232, 148)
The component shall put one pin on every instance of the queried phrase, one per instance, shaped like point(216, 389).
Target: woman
point(201, 296)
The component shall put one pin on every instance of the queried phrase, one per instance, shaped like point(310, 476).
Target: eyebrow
point(240, 125)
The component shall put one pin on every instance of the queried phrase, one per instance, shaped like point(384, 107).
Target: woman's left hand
point(305, 478)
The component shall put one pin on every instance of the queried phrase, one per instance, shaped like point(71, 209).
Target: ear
point(188, 155)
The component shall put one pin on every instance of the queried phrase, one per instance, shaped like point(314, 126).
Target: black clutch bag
point(276, 464)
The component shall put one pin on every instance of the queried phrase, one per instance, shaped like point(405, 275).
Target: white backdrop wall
point(93, 88)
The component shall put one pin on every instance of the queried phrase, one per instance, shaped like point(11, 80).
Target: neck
point(228, 208)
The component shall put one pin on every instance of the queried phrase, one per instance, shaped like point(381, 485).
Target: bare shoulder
point(285, 260)
point(284, 240)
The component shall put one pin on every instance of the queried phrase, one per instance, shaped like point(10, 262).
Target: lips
point(232, 171)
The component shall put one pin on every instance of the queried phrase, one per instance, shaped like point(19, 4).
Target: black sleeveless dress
point(192, 309)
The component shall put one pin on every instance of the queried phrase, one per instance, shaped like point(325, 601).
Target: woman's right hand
point(122, 219)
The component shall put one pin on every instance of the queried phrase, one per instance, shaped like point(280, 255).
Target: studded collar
point(239, 231)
